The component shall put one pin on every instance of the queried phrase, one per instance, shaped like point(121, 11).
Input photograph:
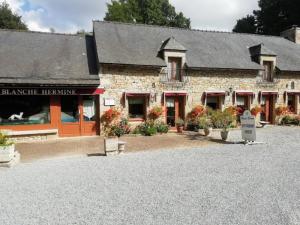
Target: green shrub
point(4, 140)
point(290, 120)
point(162, 128)
point(223, 120)
point(148, 128)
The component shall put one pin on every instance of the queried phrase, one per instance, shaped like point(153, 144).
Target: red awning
point(137, 94)
point(264, 93)
point(294, 92)
point(214, 93)
point(174, 93)
point(244, 93)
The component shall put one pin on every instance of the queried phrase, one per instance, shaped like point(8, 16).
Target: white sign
point(248, 126)
point(109, 102)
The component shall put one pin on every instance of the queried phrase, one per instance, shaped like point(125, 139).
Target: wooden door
point(269, 109)
point(174, 109)
point(70, 113)
point(89, 108)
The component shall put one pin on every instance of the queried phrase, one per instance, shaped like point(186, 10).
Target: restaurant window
point(136, 107)
point(213, 102)
point(89, 108)
point(69, 109)
point(24, 110)
point(268, 73)
point(174, 69)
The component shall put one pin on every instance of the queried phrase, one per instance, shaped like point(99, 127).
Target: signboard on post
point(248, 126)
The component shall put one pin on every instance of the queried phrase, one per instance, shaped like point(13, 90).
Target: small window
point(268, 73)
point(242, 102)
point(136, 107)
point(174, 69)
point(213, 102)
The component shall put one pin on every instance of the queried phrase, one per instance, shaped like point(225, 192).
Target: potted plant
point(7, 149)
point(223, 120)
point(179, 125)
point(110, 120)
point(205, 124)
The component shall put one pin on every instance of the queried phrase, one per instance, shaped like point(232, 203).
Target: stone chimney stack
point(292, 34)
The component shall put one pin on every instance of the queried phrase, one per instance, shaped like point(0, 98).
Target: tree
point(246, 25)
point(274, 16)
point(153, 12)
point(10, 20)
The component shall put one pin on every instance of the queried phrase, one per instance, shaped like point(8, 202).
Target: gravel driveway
point(216, 184)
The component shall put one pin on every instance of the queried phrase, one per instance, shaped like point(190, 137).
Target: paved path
point(65, 147)
point(216, 184)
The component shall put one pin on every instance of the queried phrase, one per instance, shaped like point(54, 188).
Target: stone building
point(56, 84)
point(142, 66)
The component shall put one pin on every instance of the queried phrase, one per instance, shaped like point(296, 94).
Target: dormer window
point(267, 59)
point(174, 54)
point(268, 71)
point(174, 68)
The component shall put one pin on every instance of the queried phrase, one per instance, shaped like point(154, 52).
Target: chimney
point(292, 34)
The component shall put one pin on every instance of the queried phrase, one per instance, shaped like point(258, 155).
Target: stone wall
point(119, 79)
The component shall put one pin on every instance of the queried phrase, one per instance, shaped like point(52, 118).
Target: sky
point(70, 16)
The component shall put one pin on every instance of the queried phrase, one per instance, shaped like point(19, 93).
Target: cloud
point(69, 16)
point(215, 14)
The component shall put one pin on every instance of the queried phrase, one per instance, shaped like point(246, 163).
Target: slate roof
point(261, 49)
point(119, 43)
point(44, 58)
point(172, 44)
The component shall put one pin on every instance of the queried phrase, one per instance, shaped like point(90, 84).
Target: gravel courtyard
point(215, 184)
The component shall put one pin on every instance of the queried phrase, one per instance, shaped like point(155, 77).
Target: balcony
point(175, 78)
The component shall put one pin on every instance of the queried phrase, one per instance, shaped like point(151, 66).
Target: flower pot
point(179, 129)
point(207, 131)
point(224, 134)
point(7, 153)
point(111, 145)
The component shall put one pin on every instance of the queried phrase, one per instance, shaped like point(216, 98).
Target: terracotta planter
point(7, 153)
point(224, 134)
point(179, 129)
point(207, 131)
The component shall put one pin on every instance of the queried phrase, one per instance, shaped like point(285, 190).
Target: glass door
point(69, 116)
point(90, 115)
point(171, 112)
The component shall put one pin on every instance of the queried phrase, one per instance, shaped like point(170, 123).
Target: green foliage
point(10, 20)
point(179, 122)
point(223, 120)
point(152, 12)
point(290, 120)
point(162, 128)
point(148, 128)
point(273, 17)
point(120, 129)
point(246, 25)
point(4, 140)
point(151, 127)
point(204, 122)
